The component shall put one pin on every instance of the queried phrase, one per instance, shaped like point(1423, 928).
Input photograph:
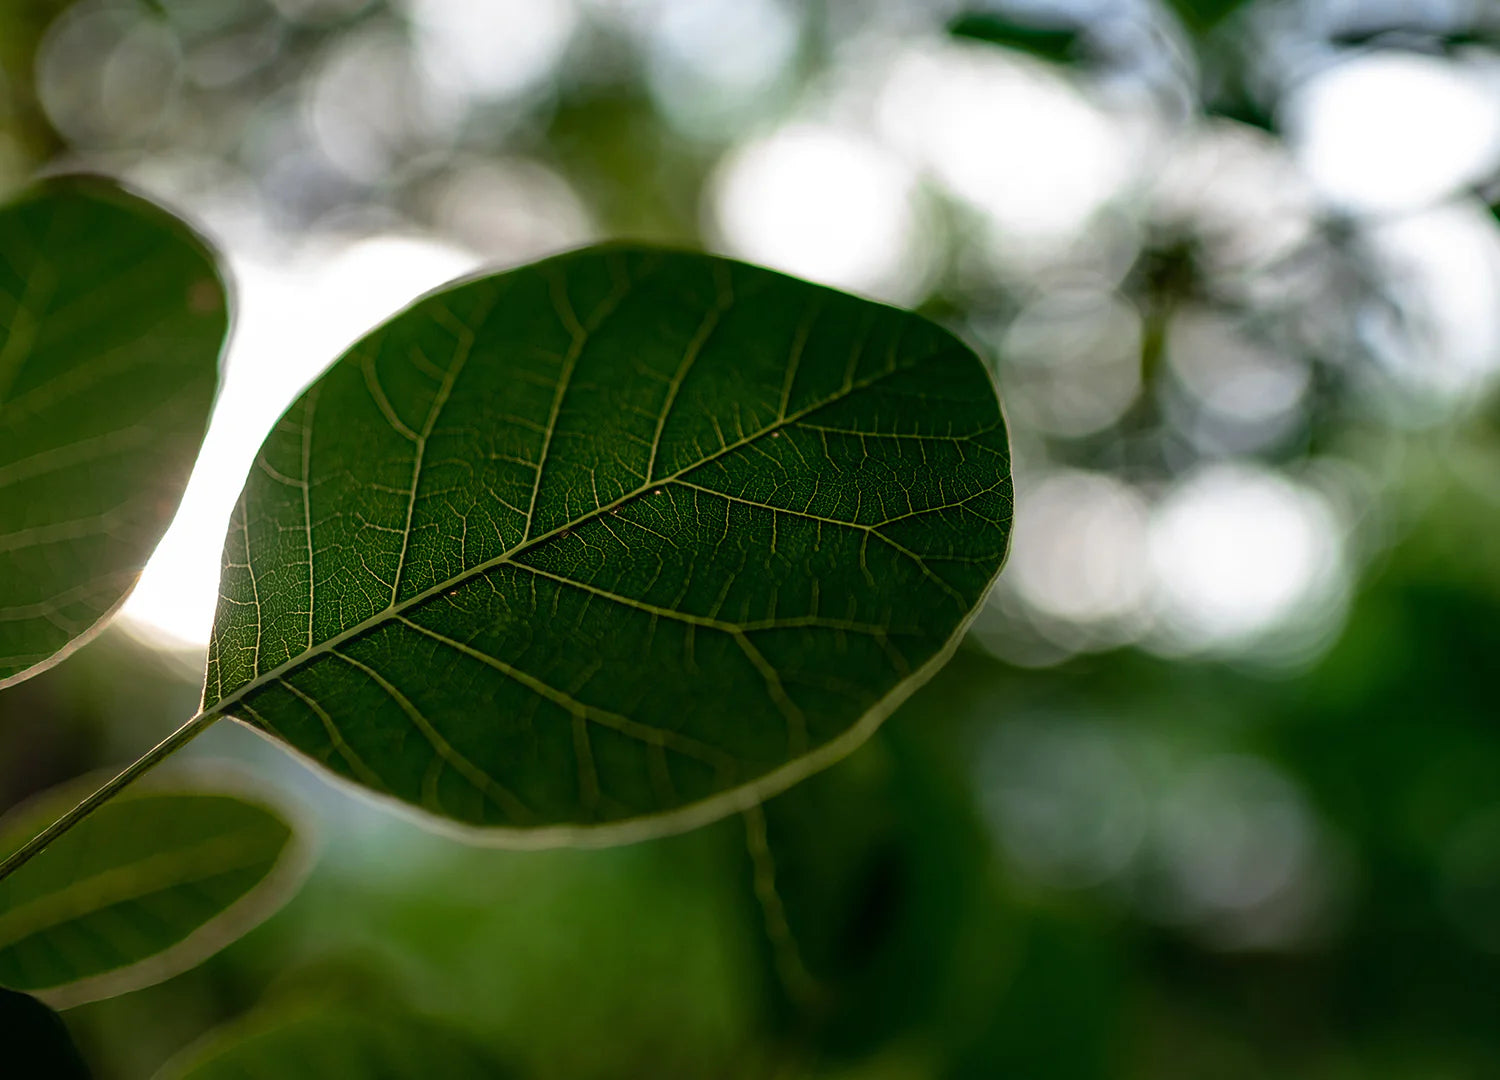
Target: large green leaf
point(112, 317)
point(149, 885)
point(624, 538)
point(36, 1042)
point(334, 1040)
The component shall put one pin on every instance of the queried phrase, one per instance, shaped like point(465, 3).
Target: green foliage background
point(906, 937)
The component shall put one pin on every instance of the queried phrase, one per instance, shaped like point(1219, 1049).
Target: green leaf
point(626, 538)
point(152, 883)
point(864, 883)
point(340, 1040)
point(36, 1040)
point(112, 317)
point(1201, 16)
point(1057, 42)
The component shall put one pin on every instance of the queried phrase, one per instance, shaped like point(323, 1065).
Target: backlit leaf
point(111, 321)
point(336, 1040)
point(625, 539)
point(149, 885)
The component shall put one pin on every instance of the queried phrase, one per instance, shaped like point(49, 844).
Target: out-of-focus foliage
point(863, 886)
point(1058, 43)
point(114, 317)
point(147, 886)
point(1211, 789)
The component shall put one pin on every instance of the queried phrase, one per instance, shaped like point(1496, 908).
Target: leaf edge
point(110, 189)
point(263, 900)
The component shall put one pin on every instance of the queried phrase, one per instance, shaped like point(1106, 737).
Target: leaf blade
point(485, 455)
point(112, 318)
point(153, 882)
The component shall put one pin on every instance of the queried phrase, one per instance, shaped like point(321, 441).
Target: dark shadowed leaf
point(111, 321)
point(625, 538)
point(149, 885)
point(322, 1042)
point(35, 1041)
point(866, 880)
point(1201, 16)
point(1057, 42)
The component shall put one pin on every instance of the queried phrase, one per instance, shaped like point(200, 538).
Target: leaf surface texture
point(626, 536)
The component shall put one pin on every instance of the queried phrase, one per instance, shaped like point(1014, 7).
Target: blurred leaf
point(1201, 16)
point(1056, 42)
point(1233, 101)
point(641, 945)
point(868, 875)
point(112, 316)
point(335, 1041)
point(1415, 33)
point(148, 886)
point(626, 537)
point(36, 1040)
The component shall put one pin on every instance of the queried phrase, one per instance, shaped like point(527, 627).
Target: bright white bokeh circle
point(1394, 130)
point(1238, 551)
point(1079, 551)
point(1012, 139)
point(825, 203)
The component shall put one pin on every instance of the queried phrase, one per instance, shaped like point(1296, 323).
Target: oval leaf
point(626, 538)
point(112, 317)
point(150, 884)
point(334, 1041)
point(36, 1041)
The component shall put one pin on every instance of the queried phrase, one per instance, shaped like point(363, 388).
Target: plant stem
point(798, 982)
point(142, 765)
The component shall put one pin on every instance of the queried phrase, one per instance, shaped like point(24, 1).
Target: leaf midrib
point(326, 647)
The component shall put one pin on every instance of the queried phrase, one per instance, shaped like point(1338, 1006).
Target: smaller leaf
point(36, 1040)
point(112, 318)
point(316, 1042)
point(865, 884)
point(151, 884)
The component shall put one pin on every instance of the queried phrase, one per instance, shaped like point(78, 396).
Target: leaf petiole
point(134, 771)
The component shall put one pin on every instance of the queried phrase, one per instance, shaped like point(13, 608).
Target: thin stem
point(798, 982)
point(142, 765)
